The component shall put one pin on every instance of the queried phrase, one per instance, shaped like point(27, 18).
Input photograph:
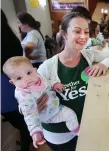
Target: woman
point(67, 66)
point(80, 9)
point(96, 38)
point(107, 27)
point(10, 46)
point(22, 34)
point(94, 28)
point(60, 39)
point(33, 43)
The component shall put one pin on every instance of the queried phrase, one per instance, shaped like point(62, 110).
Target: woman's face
point(97, 30)
point(23, 27)
point(77, 33)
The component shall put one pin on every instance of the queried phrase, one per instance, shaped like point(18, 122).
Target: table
point(94, 131)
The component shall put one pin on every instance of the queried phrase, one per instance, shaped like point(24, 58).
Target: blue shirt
point(8, 101)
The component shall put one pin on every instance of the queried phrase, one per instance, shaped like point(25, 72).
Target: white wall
point(41, 14)
point(8, 8)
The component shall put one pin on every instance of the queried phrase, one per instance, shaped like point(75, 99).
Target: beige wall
point(41, 14)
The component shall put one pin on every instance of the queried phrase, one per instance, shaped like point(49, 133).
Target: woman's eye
point(77, 31)
point(86, 32)
point(29, 73)
point(19, 78)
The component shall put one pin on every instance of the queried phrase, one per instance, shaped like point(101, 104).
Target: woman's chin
point(80, 47)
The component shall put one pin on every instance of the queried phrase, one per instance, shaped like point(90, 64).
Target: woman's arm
point(97, 56)
point(97, 47)
point(102, 56)
point(29, 47)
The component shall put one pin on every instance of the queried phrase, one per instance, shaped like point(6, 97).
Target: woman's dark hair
point(92, 28)
point(67, 18)
point(82, 10)
point(26, 18)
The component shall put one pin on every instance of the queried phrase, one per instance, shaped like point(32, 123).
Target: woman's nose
point(83, 35)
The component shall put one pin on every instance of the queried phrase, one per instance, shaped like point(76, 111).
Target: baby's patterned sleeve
point(29, 109)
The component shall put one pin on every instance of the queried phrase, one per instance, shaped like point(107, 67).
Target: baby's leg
point(66, 115)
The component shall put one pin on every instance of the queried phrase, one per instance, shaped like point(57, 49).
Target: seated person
point(60, 39)
point(96, 38)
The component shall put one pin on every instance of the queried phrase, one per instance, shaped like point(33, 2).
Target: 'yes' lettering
point(70, 95)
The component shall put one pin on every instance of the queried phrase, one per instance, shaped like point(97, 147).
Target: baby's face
point(24, 76)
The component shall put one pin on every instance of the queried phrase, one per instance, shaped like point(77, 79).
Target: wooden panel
point(57, 16)
point(92, 5)
point(94, 131)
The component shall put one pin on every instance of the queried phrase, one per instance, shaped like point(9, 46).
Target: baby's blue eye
point(19, 78)
point(28, 73)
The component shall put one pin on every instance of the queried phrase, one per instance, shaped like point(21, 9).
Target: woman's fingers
point(42, 102)
point(91, 70)
point(97, 70)
point(104, 72)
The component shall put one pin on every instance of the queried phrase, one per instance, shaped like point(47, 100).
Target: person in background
point(60, 39)
point(10, 46)
point(33, 43)
point(50, 45)
point(68, 67)
point(107, 27)
point(96, 38)
point(22, 34)
point(103, 23)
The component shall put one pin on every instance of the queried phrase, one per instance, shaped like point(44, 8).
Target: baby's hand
point(38, 139)
point(58, 87)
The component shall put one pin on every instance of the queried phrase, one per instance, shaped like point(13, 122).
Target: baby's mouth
point(38, 82)
point(30, 84)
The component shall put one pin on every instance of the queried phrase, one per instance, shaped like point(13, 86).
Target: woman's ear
point(10, 81)
point(64, 34)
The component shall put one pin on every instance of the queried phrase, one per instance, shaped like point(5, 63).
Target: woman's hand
point(42, 102)
point(97, 70)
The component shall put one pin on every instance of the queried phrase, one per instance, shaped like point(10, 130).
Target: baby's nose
point(27, 80)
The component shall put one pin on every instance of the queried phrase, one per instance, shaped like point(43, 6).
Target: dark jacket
point(10, 46)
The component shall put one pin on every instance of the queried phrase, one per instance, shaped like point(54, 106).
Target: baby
point(29, 87)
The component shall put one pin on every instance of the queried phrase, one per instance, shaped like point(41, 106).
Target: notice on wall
point(34, 3)
point(62, 5)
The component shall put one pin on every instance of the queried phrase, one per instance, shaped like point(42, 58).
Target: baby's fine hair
point(14, 62)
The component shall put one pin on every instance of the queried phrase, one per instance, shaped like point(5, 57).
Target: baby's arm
point(58, 87)
point(54, 84)
point(29, 109)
